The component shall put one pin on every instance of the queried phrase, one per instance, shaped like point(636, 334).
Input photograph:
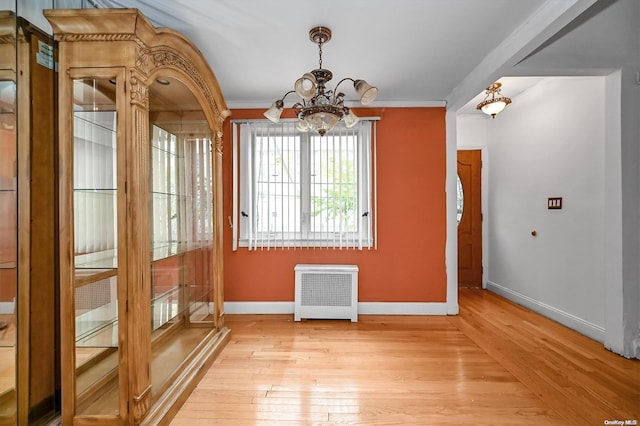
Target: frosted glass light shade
point(322, 122)
point(366, 92)
point(495, 106)
point(493, 102)
point(305, 86)
point(275, 111)
point(350, 119)
point(302, 126)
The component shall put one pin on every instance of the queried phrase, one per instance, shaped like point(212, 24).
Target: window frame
point(360, 238)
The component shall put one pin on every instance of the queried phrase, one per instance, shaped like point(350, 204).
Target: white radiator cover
point(326, 292)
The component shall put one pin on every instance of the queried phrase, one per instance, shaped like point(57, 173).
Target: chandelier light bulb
point(305, 86)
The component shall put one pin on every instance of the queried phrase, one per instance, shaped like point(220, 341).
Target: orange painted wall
point(409, 264)
point(8, 216)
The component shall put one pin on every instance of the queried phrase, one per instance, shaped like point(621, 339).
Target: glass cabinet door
point(181, 228)
point(95, 241)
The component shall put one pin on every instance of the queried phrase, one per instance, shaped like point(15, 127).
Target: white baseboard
point(402, 308)
point(258, 308)
point(364, 308)
point(578, 324)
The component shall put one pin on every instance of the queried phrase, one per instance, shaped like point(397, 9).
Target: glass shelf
point(107, 259)
point(163, 251)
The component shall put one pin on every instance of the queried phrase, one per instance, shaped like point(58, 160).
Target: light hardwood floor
point(7, 366)
point(495, 363)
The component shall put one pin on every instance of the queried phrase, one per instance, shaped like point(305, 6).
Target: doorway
point(469, 219)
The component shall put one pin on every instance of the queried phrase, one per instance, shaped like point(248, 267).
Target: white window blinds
point(303, 190)
point(95, 206)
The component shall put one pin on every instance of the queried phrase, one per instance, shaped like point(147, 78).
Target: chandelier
point(321, 109)
point(494, 102)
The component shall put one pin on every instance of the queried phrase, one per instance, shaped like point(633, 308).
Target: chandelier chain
point(320, 52)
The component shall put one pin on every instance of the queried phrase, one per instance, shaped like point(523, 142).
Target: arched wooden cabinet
point(140, 168)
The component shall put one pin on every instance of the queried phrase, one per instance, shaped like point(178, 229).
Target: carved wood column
point(218, 229)
point(139, 256)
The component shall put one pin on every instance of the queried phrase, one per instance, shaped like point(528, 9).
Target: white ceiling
point(417, 52)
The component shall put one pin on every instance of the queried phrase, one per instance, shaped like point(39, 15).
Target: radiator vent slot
point(326, 292)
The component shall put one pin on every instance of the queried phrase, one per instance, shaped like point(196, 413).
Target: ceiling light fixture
point(494, 102)
point(321, 109)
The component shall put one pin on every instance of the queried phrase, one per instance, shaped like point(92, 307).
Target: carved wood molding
point(139, 92)
point(218, 143)
point(7, 39)
point(150, 58)
point(141, 404)
point(97, 37)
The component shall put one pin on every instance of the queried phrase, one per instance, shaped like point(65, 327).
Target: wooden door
point(470, 222)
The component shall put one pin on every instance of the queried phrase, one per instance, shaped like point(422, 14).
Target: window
point(303, 190)
point(459, 200)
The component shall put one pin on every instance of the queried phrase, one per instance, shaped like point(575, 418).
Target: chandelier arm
point(287, 94)
point(335, 89)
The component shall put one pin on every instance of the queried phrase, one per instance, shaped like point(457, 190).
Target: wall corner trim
point(578, 324)
point(453, 309)
point(364, 308)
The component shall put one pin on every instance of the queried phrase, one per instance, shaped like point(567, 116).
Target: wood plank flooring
point(7, 370)
point(495, 363)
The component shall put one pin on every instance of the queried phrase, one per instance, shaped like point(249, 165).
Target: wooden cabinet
point(140, 207)
point(28, 286)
